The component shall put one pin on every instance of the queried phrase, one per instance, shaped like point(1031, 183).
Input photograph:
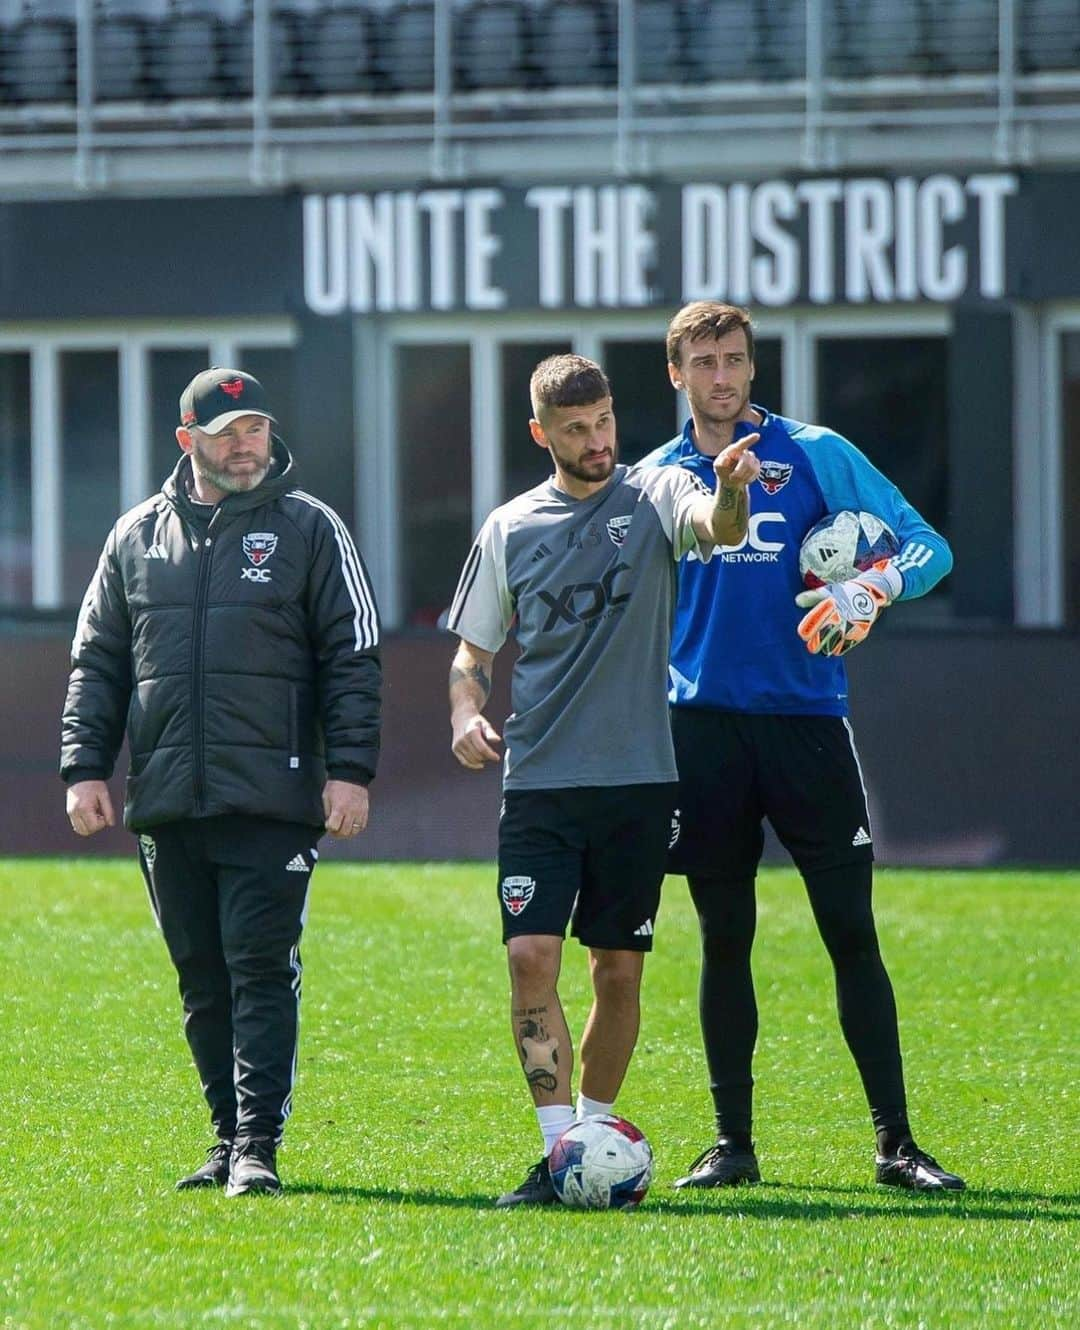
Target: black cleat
point(723, 1165)
point(252, 1167)
point(214, 1173)
point(915, 1170)
point(537, 1189)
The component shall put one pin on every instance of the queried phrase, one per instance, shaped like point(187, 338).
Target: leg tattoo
point(539, 1052)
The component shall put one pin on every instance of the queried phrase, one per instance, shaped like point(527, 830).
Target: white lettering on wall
point(326, 277)
point(773, 243)
point(550, 203)
point(704, 242)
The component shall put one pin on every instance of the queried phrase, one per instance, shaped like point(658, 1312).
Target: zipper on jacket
point(294, 730)
point(198, 635)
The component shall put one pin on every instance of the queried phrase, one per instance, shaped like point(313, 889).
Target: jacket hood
point(280, 478)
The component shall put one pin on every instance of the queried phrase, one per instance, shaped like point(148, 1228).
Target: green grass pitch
point(411, 1114)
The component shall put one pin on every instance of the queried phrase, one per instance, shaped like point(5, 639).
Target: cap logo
point(234, 388)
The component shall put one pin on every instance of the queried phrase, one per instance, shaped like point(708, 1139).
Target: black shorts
point(595, 856)
point(800, 772)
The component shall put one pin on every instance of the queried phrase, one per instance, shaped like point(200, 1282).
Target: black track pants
point(841, 902)
point(230, 896)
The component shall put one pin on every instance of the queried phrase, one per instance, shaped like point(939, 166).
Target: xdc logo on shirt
point(583, 602)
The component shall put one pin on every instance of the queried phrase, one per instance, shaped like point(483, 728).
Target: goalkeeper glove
point(842, 613)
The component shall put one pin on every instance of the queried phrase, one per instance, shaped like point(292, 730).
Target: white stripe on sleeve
point(365, 617)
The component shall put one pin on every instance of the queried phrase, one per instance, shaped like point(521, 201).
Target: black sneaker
point(537, 1189)
point(915, 1170)
point(252, 1167)
point(723, 1165)
point(214, 1173)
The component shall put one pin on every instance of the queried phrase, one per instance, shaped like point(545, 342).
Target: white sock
point(587, 1108)
point(554, 1120)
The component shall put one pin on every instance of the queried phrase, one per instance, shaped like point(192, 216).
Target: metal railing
point(95, 77)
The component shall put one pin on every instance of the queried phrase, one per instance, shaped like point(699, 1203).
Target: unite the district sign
point(822, 240)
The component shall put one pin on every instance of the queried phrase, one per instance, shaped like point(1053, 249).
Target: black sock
point(891, 1133)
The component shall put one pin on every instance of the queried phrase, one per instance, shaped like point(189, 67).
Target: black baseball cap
point(218, 395)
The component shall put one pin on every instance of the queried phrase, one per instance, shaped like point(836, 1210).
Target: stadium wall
point(968, 744)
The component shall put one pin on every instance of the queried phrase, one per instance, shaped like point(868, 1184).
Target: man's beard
point(225, 480)
point(580, 472)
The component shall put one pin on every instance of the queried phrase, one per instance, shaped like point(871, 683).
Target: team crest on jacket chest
point(775, 475)
point(258, 546)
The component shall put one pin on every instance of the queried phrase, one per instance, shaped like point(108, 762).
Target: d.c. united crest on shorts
point(517, 892)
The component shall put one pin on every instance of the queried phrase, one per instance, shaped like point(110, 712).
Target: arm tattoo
point(539, 1052)
point(726, 499)
point(475, 673)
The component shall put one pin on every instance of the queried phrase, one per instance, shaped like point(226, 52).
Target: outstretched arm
point(723, 519)
point(470, 686)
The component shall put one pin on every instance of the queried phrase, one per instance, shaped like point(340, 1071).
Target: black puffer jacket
point(241, 655)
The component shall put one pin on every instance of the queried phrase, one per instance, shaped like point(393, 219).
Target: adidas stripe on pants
point(230, 896)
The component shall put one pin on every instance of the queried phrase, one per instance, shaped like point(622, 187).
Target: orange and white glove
point(841, 614)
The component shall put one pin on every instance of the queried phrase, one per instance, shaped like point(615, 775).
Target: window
point(524, 464)
point(1070, 417)
point(643, 396)
point(767, 388)
point(16, 561)
point(273, 366)
point(888, 396)
point(434, 403)
point(171, 371)
point(89, 432)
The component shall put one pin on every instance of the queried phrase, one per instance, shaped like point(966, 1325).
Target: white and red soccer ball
point(842, 545)
point(601, 1163)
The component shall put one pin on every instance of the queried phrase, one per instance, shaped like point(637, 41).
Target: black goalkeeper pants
point(840, 899)
point(802, 773)
point(230, 895)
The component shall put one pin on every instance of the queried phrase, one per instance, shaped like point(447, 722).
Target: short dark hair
point(707, 318)
point(566, 381)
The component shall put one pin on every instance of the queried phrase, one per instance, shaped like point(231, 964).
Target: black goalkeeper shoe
point(253, 1167)
point(214, 1173)
point(915, 1170)
point(723, 1165)
point(537, 1189)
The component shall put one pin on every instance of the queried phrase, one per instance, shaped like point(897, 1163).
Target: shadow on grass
point(1007, 1195)
point(769, 1201)
point(391, 1195)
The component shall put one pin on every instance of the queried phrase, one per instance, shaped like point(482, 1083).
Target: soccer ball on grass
point(601, 1163)
point(842, 545)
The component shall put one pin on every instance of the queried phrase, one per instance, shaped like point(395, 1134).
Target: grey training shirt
point(592, 583)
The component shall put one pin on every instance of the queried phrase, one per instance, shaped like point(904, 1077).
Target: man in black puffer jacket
point(231, 627)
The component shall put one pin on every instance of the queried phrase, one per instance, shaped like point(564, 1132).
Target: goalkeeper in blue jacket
point(759, 717)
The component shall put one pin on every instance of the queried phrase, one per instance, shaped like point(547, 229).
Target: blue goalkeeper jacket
point(735, 645)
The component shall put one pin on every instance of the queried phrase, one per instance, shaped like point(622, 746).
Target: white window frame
point(132, 340)
point(1039, 464)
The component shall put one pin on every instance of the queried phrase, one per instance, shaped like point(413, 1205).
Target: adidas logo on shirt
point(156, 552)
point(645, 930)
point(862, 837)
point(542, 552)
point(296, 864)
